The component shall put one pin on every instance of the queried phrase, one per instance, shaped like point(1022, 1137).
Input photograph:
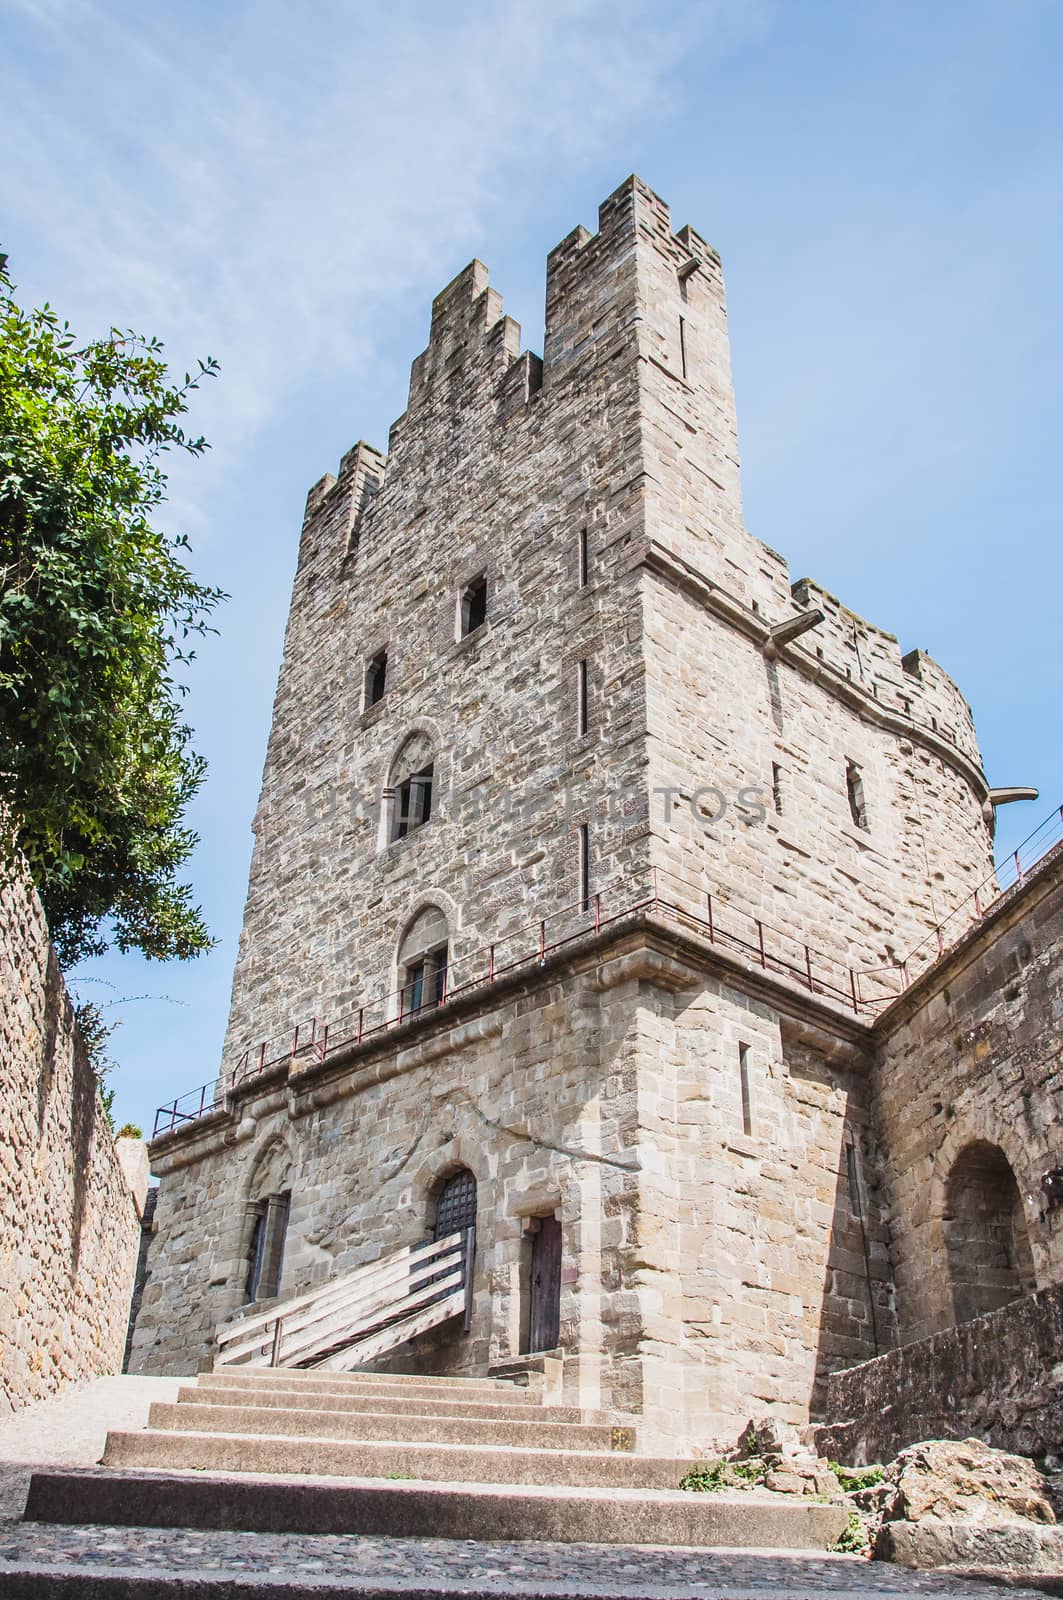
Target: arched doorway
point(266, 1223)
point(986, 1242)
point(455, 1208)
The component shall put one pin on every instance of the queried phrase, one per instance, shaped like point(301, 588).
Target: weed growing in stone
point(855, 1541)
point(715, 1477)
point(854, 1478)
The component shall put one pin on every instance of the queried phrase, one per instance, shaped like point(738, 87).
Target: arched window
point(986, 1242)
point(265, 1254)
point(409, 791)
point(423, 958)
point(455, 1204)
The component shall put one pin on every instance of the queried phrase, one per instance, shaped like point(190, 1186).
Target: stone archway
point(266, 1210)
point(987, 1245)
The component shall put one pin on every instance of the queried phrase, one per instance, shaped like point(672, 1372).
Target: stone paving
point(70, 1431)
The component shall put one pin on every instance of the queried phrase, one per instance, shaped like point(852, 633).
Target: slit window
point(747, 1101)
point(376, 678)
point(683, 345)
point(584, 570)
point(582, 698)
point(473, 607)
point(776, 788)
point(413, 802)
point(584, 852)
point(854, 784)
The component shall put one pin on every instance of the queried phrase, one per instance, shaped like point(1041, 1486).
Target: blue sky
point(286, 188)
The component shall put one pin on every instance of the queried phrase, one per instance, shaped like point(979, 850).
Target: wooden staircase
point(353, 1319)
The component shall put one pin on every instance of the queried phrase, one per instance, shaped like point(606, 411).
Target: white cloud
point(255, 182)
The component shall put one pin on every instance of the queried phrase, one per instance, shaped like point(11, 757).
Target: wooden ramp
point(355, 1318)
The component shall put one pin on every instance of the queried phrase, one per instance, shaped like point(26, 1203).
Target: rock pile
point(939, 1504)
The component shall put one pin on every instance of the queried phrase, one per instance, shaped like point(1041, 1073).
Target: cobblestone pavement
point(70, 1431)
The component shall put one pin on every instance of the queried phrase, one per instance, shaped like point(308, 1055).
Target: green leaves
point(96, 767)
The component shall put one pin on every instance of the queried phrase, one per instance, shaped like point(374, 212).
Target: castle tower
point(587, 845)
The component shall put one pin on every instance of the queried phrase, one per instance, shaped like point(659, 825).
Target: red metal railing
point(1012, 869)
point(657, 892)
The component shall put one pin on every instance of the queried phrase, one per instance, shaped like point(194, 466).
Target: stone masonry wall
point(68, 1226)
point(724, 707)
point(770, 1270)
point(534, 1092)
point(496, 466)
point(970, 1064)
point(706, 1271)
point(996, 1378)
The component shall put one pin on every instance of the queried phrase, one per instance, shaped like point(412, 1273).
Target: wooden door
point(544, 1320)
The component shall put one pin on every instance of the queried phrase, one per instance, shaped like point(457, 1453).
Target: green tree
point(96, 612)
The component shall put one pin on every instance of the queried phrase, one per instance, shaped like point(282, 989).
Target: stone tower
point(588, 838)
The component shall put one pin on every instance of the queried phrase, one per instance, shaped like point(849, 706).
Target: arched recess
point(266, 1211)
point(987, 1245)
point(454, 1201)
point(410, 788)
point(422, 960)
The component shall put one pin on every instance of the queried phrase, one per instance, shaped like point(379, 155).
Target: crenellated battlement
point(911, 683)
point(336, 505)
point(472, 372)
point(639, 311)
point(468, 329)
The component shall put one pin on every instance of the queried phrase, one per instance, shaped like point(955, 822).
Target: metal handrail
point(713, 917)
point(975, 906)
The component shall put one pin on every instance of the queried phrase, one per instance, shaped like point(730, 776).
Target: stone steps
point(294, 1504)
point(287, 1453)
point(293, 1398)
point(304, 1422)
point(383, 1383)
point(371, 1458)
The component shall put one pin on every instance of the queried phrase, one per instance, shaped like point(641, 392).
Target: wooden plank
point(367, 1313)
point(396, 1334)
point(338, 1314)
point(352, 1327)
point(226, 1333)
point(390, 1284)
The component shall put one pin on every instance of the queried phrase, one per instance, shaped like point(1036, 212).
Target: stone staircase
point(282, 1451)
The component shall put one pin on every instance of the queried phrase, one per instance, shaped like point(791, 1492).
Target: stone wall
point(996, 1378)
point(498, 466)
point(706, 1269)
point(68, 1226)
point(967, 1107)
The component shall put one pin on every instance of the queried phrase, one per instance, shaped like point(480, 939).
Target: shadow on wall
point(56, 1014)
point(59, 1027)
point(84, 1107)
point(856, 1317)
point(987, 1246)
